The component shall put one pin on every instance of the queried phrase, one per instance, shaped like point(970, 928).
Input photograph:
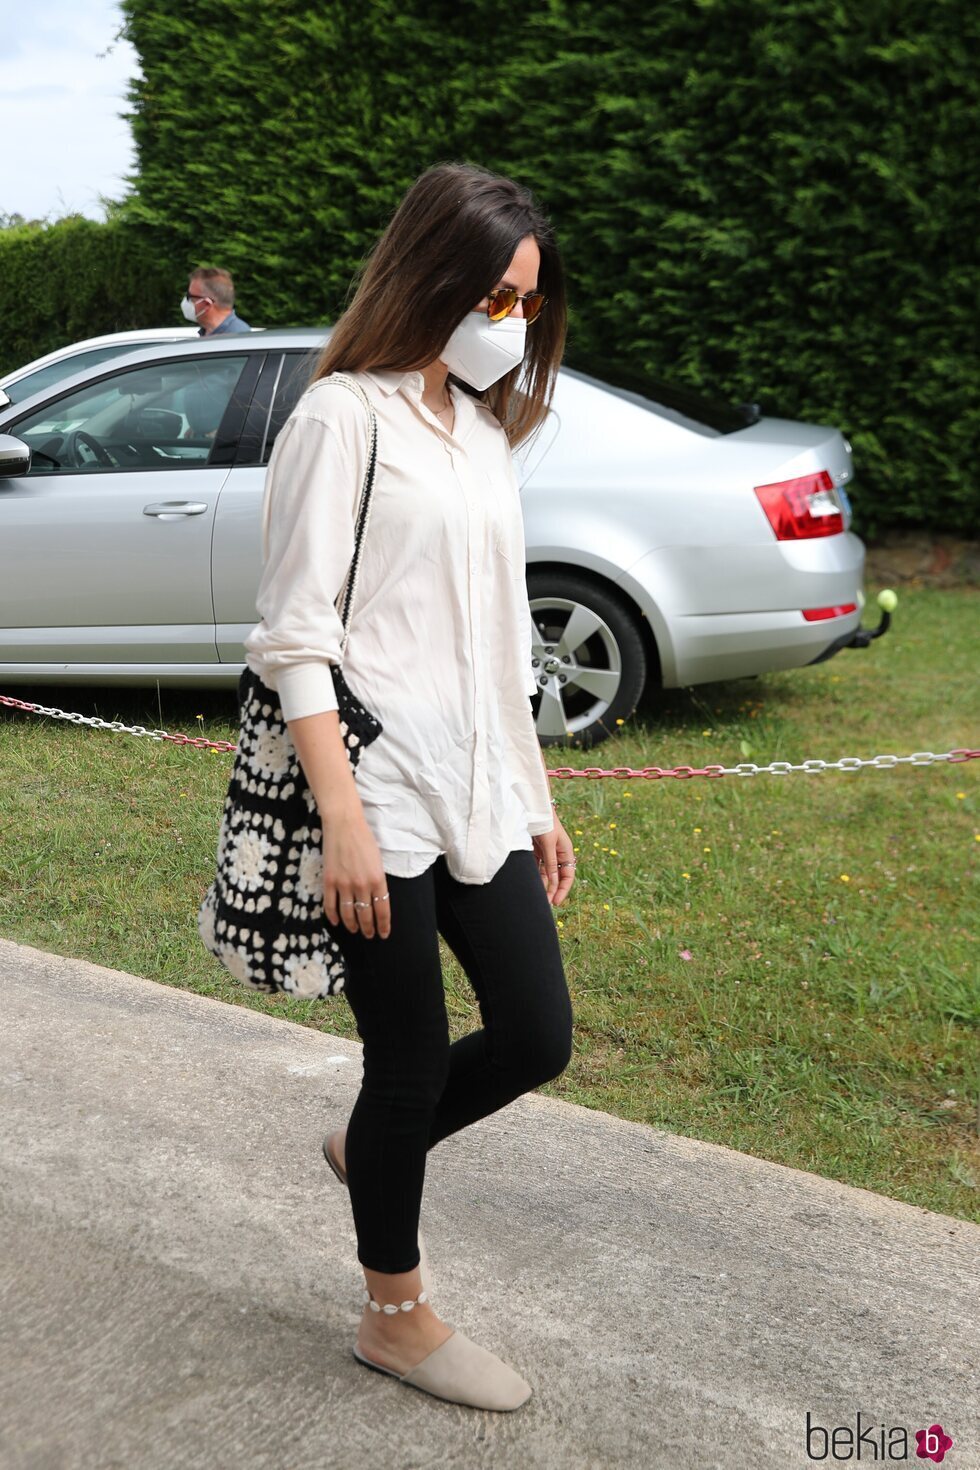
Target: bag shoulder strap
point(364, 503)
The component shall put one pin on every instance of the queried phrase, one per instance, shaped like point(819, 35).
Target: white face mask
point(481, 351)
point(189, 308)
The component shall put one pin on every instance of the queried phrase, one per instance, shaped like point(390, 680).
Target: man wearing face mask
point(210, 303)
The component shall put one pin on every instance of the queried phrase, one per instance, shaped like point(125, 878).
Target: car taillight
point(817, 614)
point(801, 508)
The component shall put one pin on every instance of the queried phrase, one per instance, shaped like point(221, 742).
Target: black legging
point(417, 1088)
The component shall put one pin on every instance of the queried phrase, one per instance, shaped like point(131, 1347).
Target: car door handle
point(176, 508)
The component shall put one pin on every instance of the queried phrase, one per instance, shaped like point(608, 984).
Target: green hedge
point(768, 203)
point(79, 278)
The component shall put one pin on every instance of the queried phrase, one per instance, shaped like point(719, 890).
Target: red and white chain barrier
point(562, 773)
point(775, 768)
point(116, 725)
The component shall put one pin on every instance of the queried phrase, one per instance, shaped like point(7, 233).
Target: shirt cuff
point(538, 829)
point(304, 689)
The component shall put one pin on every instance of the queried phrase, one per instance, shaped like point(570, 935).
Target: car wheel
point(591, 663)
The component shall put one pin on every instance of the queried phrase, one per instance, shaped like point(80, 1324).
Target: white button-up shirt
point(440, 636)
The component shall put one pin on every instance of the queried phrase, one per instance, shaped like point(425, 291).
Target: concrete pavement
point(179, 1288)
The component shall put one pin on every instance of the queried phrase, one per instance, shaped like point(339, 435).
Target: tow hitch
point(861, 637)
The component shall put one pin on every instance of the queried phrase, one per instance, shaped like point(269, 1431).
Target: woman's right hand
point(352, 869)
point(352, 866)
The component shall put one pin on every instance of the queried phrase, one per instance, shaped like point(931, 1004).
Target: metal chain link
point(563, 773)
point(59, 714)
point(774, 768)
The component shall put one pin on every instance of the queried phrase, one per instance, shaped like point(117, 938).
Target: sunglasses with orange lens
point(501, 303)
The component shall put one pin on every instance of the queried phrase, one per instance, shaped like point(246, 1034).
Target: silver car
point(670, 541)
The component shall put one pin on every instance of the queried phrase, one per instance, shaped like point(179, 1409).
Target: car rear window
point(294, 376)
point(677, 401)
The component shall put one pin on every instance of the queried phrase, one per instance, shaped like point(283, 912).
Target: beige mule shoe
point(458, 1370)
point(342, 1176)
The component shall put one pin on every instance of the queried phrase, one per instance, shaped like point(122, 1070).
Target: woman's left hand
point(550, 849)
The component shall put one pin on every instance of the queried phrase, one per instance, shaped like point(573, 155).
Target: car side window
point(165, 415)
point(65, 367)
point(294, 376)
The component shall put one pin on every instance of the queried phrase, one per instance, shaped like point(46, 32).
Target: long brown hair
point(448, 243)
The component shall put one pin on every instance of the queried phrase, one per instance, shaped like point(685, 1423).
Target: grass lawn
point(779, 964)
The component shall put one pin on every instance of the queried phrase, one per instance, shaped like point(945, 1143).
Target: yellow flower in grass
point(845, 877)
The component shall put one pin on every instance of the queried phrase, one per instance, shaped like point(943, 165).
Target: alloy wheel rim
point(577, 664)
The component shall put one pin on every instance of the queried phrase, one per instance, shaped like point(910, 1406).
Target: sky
point(63, 80)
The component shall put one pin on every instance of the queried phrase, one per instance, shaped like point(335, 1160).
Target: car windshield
point(682, 402)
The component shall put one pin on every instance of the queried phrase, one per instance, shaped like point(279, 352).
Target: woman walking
point(449, 827)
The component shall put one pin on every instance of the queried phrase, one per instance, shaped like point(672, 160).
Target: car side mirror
point(15, 456)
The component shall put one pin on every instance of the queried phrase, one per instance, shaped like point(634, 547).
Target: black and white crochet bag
point(262, 916)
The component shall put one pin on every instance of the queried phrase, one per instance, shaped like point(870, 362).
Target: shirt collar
point(225, 325)
point(412, 383)
point(389, 380)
